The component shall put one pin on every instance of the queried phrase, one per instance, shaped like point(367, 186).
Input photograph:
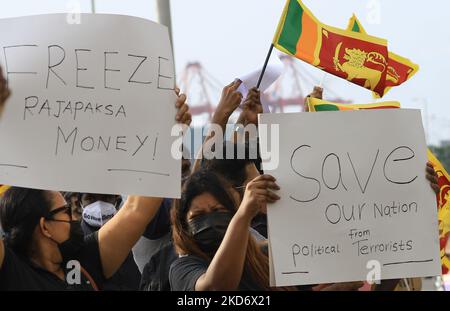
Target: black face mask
point(209, 230)
point(70, 248)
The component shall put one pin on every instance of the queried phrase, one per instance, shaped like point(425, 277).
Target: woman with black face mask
point(42, 242)
point(44, 249)
point(212, 236)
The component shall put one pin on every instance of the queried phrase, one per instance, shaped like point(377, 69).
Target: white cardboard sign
point(355, 203)
point(92, 105)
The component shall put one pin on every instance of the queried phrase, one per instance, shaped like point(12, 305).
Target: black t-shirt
point(160, 224)
point(127, 277)
point(155, 276)
point(19, 273)
point(185, 271)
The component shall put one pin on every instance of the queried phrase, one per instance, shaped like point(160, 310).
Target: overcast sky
point(232, 37)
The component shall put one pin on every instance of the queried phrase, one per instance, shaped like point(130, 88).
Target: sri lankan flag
point(443, 199)
point(316, 105)
point(399, 69)
point(357, 57)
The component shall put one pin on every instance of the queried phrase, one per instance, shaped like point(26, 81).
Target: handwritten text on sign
point(353, 193)
point(92, 105)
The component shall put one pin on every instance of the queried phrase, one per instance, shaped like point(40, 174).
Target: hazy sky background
point(232, 37)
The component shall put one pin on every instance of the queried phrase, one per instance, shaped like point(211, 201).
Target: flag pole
point(93, 6)
point(265, 66)
point(165, 18)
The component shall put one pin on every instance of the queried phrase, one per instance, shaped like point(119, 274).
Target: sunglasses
point(67, 208)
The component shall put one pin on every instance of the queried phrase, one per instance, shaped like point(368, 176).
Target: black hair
point(204, 181)
point(20, 212)
point(234, 169)
point(68, 195)
point(207, 181)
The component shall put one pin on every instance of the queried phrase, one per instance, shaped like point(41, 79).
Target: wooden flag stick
point(265, 66)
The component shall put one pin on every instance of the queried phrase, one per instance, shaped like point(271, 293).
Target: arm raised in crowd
point(251, 108)
point(229, 102)
point(120, 234)
point(227, 266)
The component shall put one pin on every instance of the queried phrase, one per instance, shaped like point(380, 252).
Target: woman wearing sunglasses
point(45, 249)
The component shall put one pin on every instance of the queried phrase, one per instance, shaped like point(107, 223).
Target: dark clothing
point(127, 277)
point(185, 271)
point(160, 224)
point(259, 223)
point(19, 273)
point(155, 276)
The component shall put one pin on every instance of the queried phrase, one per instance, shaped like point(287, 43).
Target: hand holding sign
point(257, 194)
point(432, 177)
point(183, 114)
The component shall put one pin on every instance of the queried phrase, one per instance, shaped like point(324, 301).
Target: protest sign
point(92, 105)
point(355, 203)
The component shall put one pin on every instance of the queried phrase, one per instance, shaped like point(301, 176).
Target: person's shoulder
point(188, 259)
point(185, 271)
point(10, 258)
point(187, 263)
point(15, 272)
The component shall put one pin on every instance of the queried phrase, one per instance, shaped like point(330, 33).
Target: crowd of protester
point(213, 238)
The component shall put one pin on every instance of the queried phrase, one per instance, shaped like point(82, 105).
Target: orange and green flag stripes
point(355, 25)
point(399, 69)
point(356, 57)
point(316, 105)
point(298, 32)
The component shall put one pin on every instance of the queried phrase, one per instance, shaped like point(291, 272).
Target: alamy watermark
point(374, 274)
point(73, 276)
point(212, 147)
